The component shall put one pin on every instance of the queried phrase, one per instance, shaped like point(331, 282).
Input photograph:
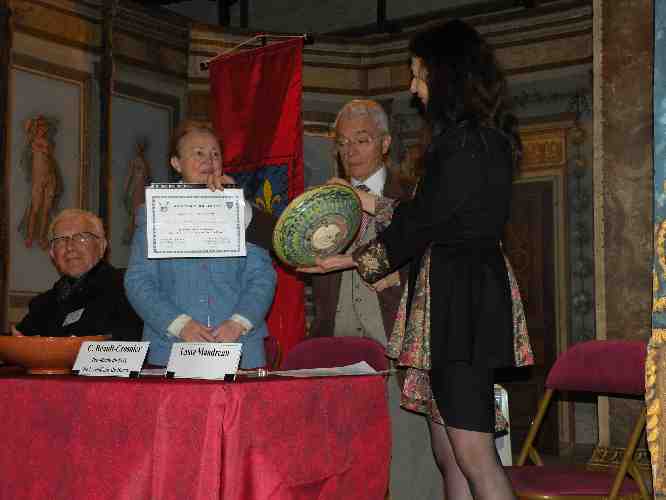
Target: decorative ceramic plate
point(320, 222)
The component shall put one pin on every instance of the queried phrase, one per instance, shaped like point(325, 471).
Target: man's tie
point(365, 219)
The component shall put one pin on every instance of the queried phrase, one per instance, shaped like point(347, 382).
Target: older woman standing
point(200, 300)
point(458, 299)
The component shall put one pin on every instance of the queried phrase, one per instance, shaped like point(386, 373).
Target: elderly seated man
point(89, 298)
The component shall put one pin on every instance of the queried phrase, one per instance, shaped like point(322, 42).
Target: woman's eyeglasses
point(84, 238)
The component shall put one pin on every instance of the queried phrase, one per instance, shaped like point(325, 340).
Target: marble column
point(623, 61)
point(5, 171)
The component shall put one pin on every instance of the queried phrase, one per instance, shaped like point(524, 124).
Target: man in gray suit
point(347, 306)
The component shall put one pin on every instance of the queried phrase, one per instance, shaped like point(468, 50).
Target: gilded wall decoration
point(544, 149)
point(655, 389)
point(655, 366)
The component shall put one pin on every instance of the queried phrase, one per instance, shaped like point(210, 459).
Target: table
point(292, 439)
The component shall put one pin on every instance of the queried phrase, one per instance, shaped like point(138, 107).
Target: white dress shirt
point(375, 182)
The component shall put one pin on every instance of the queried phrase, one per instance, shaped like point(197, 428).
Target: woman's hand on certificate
point(193, 331)
point(228, 331)
point(216, 182)
point(333, 263)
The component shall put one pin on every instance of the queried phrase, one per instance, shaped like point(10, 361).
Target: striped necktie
point(365, 218)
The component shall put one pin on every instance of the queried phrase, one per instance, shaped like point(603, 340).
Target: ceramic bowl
point(320, 222)
point(43, 355)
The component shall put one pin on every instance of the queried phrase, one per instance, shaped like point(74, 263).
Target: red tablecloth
point(291, 439)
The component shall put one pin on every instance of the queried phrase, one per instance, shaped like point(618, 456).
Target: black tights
point(469, 464)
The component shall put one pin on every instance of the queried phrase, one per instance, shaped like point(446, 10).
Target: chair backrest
point(327, 352)
point(603, 366)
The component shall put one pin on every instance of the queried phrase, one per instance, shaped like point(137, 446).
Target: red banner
point(257, 95)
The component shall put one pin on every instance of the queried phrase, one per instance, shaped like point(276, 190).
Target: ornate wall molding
point(607, 457)
point(152, 40)
point(544, 150)
point(157, 42)
point(70, 23)
point(375, 66)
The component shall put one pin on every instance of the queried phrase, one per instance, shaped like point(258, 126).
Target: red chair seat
point(327, 352)
point(565, 481)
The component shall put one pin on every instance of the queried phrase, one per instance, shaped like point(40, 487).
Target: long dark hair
point(465, 82)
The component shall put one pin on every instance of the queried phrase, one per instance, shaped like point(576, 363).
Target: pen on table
point(256, 372)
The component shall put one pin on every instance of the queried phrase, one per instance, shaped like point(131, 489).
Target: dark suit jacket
point(326, 287)
point(100, 294)
point(260, 230)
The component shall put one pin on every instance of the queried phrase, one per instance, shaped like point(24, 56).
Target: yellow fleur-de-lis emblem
point(267, 200)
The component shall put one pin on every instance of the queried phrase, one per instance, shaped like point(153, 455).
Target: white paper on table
point(360, 368)
point(190, 220)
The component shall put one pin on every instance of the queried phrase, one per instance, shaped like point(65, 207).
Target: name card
point(208, 360)
point(110, 359)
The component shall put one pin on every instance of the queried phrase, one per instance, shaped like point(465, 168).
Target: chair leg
point(534, 428)
point(628, 456)
point(638, 478)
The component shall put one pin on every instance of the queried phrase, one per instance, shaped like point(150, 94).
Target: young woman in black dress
point(459, 309)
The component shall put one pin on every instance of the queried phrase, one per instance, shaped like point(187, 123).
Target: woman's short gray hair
point(365, 107)
point(76, 213)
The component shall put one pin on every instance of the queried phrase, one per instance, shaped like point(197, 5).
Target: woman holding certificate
point(204, 299)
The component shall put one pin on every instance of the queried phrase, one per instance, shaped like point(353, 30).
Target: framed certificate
point(190, 220)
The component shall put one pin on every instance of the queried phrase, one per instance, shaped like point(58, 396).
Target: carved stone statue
point(138, 176)
point(41, 169)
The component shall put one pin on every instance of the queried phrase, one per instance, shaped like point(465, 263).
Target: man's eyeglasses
point(362, 141)
point(84, 238)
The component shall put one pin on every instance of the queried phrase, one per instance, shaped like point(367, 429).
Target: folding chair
point(597, 366)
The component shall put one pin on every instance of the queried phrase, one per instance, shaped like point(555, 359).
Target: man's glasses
point(60, 242)
point(343, 144)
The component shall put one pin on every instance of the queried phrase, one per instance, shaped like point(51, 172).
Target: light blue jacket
point(210, 290)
